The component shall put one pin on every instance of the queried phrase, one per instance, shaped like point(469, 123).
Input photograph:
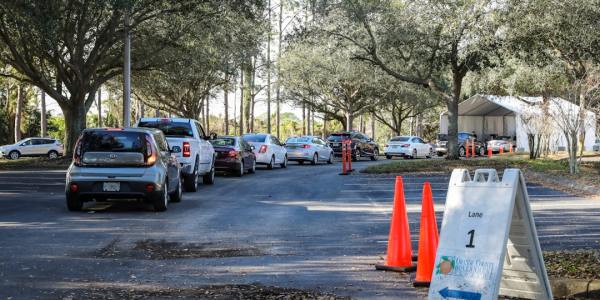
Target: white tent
point(488, 115)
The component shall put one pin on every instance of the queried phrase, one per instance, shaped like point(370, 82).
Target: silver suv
point(33, 147)
point(131, 163)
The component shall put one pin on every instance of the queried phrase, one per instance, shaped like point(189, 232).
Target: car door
point(420, 146)
point(37, 147)
point(205, 149)
point(26, 147)
point(320, 146)
point(241, 146)
point(277, 149)
point(169, 161)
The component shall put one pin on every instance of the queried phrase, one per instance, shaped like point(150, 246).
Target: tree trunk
point(100, 107)
point(43, 120)
point(373, 126)
point(324, 131)
point(278, 114)
point(308, 122)
point(303, 119)
point(349, 120)
point(247, 96)
point(225, 102)
point(269, 71)
point(75, 118)
point(242, 101)
point(207, 118)
point(452, 105)
point(19, 112)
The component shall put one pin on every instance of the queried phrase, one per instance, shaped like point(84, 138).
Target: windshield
point(298, 140)
point(170, 129)
point(113, 141)
point(442, 137)
point(255, 138)
point(338, 137)
point(400, 139)
point(223, 142)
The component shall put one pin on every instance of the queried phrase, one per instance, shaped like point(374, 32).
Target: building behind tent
point(489, 116)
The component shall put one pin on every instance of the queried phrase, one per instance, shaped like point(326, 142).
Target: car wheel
point(14, 154)
point(74, 203)
point(284, 164)
point(240, 172)
point(271, 163)
point(461, 151)
point(253, 169)
point(388, 156)
point(52, 154)
point(430, 153)
point(440, 154)
point(209, 178)
point(354, 155)
point(375, 154)
point(190, 181)
point(178, 194)
point(314, 160)
point(330, 160)
point(160, 203)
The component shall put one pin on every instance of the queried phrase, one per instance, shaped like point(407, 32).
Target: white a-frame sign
point(488, 243)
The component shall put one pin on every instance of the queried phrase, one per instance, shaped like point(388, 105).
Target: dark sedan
point(234, 155)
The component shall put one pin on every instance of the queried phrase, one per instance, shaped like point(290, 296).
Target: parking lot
point(301, 227)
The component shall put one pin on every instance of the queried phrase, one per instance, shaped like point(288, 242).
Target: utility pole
point(43, 117)
point(99, 107)
point(127, 74)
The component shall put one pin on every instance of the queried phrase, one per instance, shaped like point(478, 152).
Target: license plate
point(111, 186)
point(336, 144)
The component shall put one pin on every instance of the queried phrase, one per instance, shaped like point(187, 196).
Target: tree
point(433, 44)
point(83, 51)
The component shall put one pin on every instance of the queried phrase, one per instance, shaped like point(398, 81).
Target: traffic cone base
point(421, 283)
point(410, 268)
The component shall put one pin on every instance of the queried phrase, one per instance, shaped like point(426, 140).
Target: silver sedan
point(308, 148)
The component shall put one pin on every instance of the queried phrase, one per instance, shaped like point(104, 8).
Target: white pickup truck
point(190, 145)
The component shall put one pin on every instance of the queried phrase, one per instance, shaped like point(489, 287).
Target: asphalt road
point(301, 227)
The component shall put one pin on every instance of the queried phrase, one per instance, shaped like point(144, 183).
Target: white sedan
point(308, 148)
point(268, 149)
point(407, 147)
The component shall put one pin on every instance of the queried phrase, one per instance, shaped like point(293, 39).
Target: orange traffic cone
point(428, 239)
point(501, 149)
point(399, 249)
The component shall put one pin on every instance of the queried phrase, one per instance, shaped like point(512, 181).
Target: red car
point(234, 155)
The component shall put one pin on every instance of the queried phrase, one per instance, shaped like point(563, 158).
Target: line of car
point(160, 158)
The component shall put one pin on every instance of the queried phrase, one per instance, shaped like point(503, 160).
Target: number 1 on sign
point(471, 233)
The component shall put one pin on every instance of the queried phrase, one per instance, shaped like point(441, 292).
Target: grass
point(554, 167)
point(35, 163)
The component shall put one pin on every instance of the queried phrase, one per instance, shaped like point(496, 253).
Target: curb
point(564, 287)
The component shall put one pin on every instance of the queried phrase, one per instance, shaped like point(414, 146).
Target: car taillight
point(186, 149)
point(405, 145)
point(74, 187)
point(77, 153)
point(305, 146)
point(150, 153)
point(386, 145)
point(232, 153)
point(263, 149)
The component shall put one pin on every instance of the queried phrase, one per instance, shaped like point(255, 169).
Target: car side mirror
point(252, 148)
point(176, 149)
point(212, 136)
point(283, 145)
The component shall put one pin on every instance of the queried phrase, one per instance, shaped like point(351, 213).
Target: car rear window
point(220, 142)
point(113, 141)
point(399, 139)
point(338, 137)
point(298, 140)
point(442, 137)
point(169, 128)
point(256, 138)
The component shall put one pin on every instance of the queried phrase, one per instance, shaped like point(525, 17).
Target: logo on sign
point(464, 267)
point(445, 266)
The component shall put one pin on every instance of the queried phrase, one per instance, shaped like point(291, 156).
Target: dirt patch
point(249, 291)
point(161, 249)
point(579, 264)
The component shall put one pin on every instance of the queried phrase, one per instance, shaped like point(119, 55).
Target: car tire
point(375, 155)
point(440, 154)
point(414, 154)
point(74, 203)
point(285, 161)
point(240, 172)
point(271, 163)
point(178, 194)
point(14, 154)
point(388, 156)
point(461, 151)
point(355, 154)
point(190, 182)
point(52, 154)
point(209, 178)
point(430, 153)
point(161, 201)
point(253, 169)
point(314, 159)
point(330, 160)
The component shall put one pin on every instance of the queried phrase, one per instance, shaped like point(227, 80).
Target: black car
point(234, 155)
point(441, 146)
point(361, 146)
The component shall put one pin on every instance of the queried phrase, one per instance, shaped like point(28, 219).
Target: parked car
point(408, 147)
point(596, 146)
point(361, 145)
point(441, 147)
point(501, 141)
point(36, 146)
point(197, 157)
point(123, 163)
point(308, 148)
point(234, 155)
point(268, 149)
